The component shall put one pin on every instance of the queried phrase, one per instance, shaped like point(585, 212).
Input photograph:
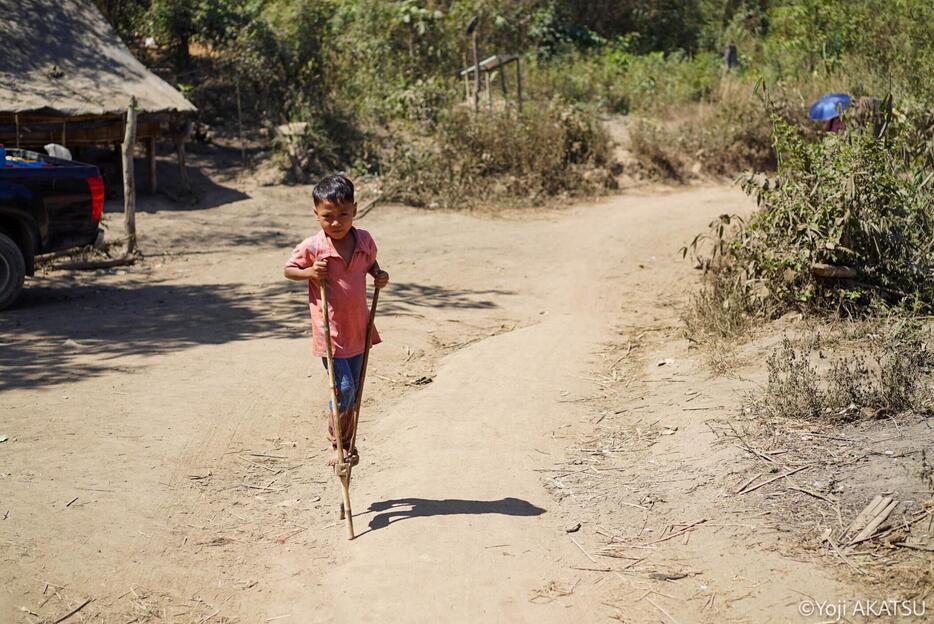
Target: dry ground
point(165, 456)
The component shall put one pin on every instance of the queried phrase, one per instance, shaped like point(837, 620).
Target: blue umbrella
point(827, 107)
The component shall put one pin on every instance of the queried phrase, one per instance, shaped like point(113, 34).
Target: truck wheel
point(12, 271)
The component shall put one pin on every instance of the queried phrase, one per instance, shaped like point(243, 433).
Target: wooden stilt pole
point(366, 357)
point(343, 466)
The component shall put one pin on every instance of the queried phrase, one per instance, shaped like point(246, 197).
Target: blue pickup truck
point(46, 204)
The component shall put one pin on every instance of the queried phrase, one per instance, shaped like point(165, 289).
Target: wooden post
point(502, 81)
point(476, 74)
point(179, 137)
point(489, 91)
point(118, 155)
point(519, 84)
point(129, 184)
point(467, 87)
point(240, 126)
point(151, 161)
point(730, 58)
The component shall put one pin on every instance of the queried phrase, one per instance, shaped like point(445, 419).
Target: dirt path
point(166, 461)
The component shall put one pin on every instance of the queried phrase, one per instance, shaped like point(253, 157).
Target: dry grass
point(466, 160)
point(722, 137)
point(887, 371)
point(719, 318)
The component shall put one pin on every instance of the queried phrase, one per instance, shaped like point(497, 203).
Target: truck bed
point(20, 162)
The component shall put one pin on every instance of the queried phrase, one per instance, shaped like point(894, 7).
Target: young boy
point(342, 255)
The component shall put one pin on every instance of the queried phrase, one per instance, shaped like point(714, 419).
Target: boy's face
point(336, 218)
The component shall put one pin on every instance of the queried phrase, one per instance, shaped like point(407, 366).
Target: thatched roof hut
point(65, 77)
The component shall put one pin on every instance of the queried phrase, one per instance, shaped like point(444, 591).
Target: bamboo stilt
point(343, 467)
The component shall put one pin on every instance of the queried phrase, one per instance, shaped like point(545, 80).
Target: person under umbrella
point(828, 109)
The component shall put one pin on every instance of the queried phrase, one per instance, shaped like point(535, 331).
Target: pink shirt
point(347, 303)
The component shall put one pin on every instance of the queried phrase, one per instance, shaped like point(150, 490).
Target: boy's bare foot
point(352, 457)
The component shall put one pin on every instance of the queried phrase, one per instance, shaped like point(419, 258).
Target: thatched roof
point(61, 57)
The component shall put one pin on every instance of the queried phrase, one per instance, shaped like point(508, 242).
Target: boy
point(342, 255)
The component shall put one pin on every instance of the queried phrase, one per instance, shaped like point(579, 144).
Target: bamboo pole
point(476, 74)
point(342, 468)
point(366, 357)
point(519, 84)
point(129, 182)
point(489, 91)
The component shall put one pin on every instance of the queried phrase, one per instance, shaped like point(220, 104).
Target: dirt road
point(166, 459)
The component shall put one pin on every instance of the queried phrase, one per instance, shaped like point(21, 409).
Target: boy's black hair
point(336, 189)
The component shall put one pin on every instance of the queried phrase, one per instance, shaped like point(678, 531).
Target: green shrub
point(859, 204)
point(615, 79)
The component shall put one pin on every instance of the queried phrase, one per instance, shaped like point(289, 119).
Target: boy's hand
point(381, 279)
point(319, 270)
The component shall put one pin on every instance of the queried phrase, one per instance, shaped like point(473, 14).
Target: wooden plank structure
point(65, 77)
point(487, 67)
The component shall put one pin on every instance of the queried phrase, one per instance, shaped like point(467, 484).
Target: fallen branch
point(812, 493)
point(781, 476)
point(582, 549)
point(73, 611)
point(261, 487)
point(906, 525)
point(676, 534)
point(592, 569)
point(842, 556)
point(832, 271)
point(748, 448)
point(875, 522)
point(90, 265)
point(748, 483)
point(668, 615)
point(914, 546)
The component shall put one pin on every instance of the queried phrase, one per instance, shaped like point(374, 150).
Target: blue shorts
point(346, 379)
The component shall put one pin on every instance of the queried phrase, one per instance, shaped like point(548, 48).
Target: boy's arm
point(317, 271)
point(303, 266)
point(297, 274)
